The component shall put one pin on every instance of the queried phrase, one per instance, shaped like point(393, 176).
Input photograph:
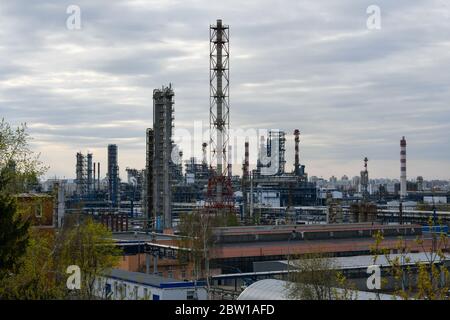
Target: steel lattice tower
point(219, 186)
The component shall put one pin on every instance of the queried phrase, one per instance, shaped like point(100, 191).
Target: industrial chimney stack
point(297, 155)
point(403, 168)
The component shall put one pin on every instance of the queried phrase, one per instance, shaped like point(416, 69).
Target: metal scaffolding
point(148, 199)
point(163, 166)
point(113, 176)
point(81, 174)
point(220, 192)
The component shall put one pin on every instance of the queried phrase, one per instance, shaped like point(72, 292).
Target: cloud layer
point(352, 92)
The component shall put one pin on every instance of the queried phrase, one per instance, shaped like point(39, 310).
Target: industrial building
point(282, 212)
point(126, 285)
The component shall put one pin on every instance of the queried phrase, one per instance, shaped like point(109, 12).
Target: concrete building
point(126, 285)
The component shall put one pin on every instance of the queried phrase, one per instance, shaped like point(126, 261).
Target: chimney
point(403, 168)
point(246, 160)
point(297, 152)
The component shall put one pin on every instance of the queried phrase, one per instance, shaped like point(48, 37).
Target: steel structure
point(220, 193)
point(113, 176)
point(163, 166)
point(365, 180)
point(90, 173)
point(81, 174)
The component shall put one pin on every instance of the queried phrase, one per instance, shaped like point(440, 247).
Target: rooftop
point(152, 280)
point(272, 289)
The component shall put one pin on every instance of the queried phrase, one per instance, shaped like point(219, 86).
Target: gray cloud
point(295, 64)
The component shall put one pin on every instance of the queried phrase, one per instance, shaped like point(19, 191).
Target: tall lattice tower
point(220, 193)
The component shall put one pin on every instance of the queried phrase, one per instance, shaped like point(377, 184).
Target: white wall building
point(127, 285)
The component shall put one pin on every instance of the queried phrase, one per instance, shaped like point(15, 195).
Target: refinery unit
point(154, 197)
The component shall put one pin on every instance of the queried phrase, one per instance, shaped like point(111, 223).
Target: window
point(191, 295)
point(170, 274)
point(146, 295)
point(135, 293)
point(38, 210)
point(116, 289)
point(183, 274)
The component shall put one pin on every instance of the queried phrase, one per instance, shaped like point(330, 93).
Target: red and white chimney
point(403, 168)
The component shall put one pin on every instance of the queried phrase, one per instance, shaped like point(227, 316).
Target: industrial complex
point(279, 212)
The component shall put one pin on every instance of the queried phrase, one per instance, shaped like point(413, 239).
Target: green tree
point(423, 280)
point(42, 272)
point(36, 278)
point(20, 167)
point(13, 235)
point(314, 276)
point(90, 246)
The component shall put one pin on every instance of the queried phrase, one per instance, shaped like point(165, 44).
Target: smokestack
point(89, 172)
point(297, 153)
point(403, 168)
point(93, 181)
point(230, 162)
point(98, 175)
point(246, 160)
point(204, 154)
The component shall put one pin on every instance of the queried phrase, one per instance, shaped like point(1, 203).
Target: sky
point(353, 91)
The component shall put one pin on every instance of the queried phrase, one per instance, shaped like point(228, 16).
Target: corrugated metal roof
point(273, 289)
point(364, 261)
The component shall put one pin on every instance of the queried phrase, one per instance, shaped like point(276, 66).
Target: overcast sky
point(352, 92)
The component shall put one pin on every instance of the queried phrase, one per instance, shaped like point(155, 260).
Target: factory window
point(38, 210)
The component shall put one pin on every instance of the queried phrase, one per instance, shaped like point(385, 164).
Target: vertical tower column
point(297, 152)
point(113, 175)
point(219, 186)
point(403, 191)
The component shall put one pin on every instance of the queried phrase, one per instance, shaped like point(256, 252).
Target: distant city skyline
point(351, 91)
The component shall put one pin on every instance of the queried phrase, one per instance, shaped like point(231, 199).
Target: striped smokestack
point(403, 168)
